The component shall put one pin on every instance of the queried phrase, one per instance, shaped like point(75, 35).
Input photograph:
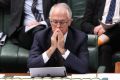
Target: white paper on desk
point(22, 77)
point(110, 76)
point(2, 75)
point(83, 76)
point(27, 28)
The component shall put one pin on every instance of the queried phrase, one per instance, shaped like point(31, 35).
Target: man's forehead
point(59, 18)
point(60, 10)
point(59, 14)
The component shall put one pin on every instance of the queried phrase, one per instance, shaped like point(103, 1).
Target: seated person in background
point(60, 44)
point(26, 14)
point(104, 21)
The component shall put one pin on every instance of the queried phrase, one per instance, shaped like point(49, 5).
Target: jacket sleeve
point(79, 63)
point(87, 22)
point(4, 3)
point(35, 58)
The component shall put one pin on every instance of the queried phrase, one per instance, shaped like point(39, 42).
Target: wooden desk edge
point(16, 74)
point(117, 67)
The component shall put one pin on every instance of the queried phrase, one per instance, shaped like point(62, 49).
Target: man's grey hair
point(63, 5)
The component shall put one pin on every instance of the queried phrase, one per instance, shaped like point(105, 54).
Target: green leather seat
point(93, 55)
point(116, 57)
point(13, 58)
point(93, 52)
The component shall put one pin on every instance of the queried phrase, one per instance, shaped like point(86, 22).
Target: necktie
point(35, 11)
point(111, 12)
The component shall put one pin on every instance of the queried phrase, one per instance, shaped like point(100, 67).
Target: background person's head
point(60, 17)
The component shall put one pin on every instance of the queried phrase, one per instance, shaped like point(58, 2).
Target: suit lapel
point(69, 40)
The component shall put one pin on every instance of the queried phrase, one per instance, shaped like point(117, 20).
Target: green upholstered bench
point(116, 57)
point(13, 58)
point(93, 52)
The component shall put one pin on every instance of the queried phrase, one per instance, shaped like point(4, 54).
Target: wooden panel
point(117, 67)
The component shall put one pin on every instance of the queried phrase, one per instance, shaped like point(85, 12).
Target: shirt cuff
point(45, 57)
point(43, 23)
point(67, 52)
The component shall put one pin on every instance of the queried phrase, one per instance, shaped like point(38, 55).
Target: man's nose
point(58, 25)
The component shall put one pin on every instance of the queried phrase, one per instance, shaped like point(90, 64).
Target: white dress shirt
point(46, 58)
point(29, 15)
point(116, 17)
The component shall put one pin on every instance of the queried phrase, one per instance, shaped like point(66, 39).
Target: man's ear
point(69, 24)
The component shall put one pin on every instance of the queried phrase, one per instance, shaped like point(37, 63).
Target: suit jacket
point(17, 11)
point(76, 43)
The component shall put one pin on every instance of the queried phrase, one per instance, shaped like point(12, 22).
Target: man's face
point(59, 20)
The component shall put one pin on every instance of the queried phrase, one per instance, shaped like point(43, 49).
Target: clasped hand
point(57, 41)
point(99, 30)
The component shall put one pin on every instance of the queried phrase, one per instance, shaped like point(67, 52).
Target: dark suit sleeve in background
point(87, 24)
point(4, 3)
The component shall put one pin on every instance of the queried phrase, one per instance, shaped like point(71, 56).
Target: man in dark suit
point(20, 13)
point(60, 44)
point(97, 21)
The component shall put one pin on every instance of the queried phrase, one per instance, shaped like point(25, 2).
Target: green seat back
point(116, 57)
point(4, 20)
point(13, 58)
point(1, 19)
point(93, 52)
point(78, 8)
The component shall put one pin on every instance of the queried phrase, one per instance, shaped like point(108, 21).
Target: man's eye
point(55, 22)
point(61, 22)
